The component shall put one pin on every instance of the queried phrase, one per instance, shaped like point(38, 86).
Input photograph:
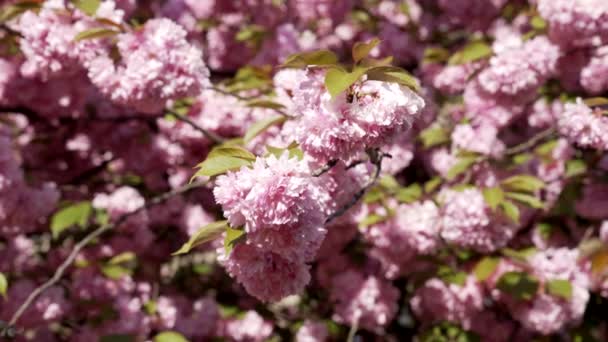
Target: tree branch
point(210, 135)
point(530, 143)
point(83, 243)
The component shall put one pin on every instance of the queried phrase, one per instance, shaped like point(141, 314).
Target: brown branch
point(83, 243)
point(530, 143)
point(210, 135)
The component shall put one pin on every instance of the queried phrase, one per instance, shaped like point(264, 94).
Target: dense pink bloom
point(576, 22)
point(452, 79)
point(520, 69)
point(312, 331)
point(366, 301)
point(548, 314)
point(594, 76)
point(158, 65)
point(468, 222)
point(413, 230)
point(482, 139)
point(279, 204)
point(439, 301)
point(251, 328)
point(339, 129)
point(584, 126)
point(266, 275)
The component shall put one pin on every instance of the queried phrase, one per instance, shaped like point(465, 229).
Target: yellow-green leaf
point(98, 32)
point(122, 258)
point(338, 80)
point(493, 196)
point(115, 272)
point(205, 234)
point(575, 167)
point(362, 50)
point(432, 184)
point(559, 288)
point(433, 136)
point(472, 52)
point(525, 183)
point(230, 150)
point(526, 199)
point(371, 220)
point(265, 104)
point(262, 125)
point(75, 214)
point(87, 6)
point(463, 164)
point(510, 210)
point(233, 236)
point(3, 285)
point(170, 336)
point(394, 75)
point(485, 267)
point(596, 101)
point(518, 284)
point(409, 194)
point(304, 59)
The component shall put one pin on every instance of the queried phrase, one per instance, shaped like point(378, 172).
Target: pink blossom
point(158, 65)
point(576, 22)
point(339, 129)
point(584, 126)
point(438, 301)
point(482, 139)
point(366, 301)
point(251, 328)
point(594, 76)
point(468, 222)
point(312, 331)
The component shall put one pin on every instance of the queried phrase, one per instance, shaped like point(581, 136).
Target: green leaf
point(117, 338)
point(409, 194)
point(435, 55)
point(169, 336)
point(493, 196)
point(575, 167)
point(521, 158)
point(432, 184)
point(526, 183)
point(520, 255)
point(263, 125)
point(151, 307)
point(338, 80)
point(219, 164)
point(388, 182)
point(470, 53)
point(265, 104)
point(231, 151)
point(394, 75)
point(485, 267)
point(433, 136)
point(3, 285)
point(115, 272)
point(12, 11)
point(207, 233)
point(538, 23)
point(545, 149)
point(463, 164)
point(526, 199)
point(233, 236)
point(250, 33)
point(596, 101)
point(362, 50)
point(518, 284)
point(371, 220)
point(302, 60)
point(98, 32)
point(75, 214)
point(510, 210)
point(452, 276)
point(293, 150)
point(122, 258)
point(374, 195)
point(559, 288)
point(89, 7)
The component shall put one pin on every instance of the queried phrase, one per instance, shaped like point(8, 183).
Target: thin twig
point(210, 135)
point(85, 241)
point(530, 143)
point(330, 164)
point(359, 194)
